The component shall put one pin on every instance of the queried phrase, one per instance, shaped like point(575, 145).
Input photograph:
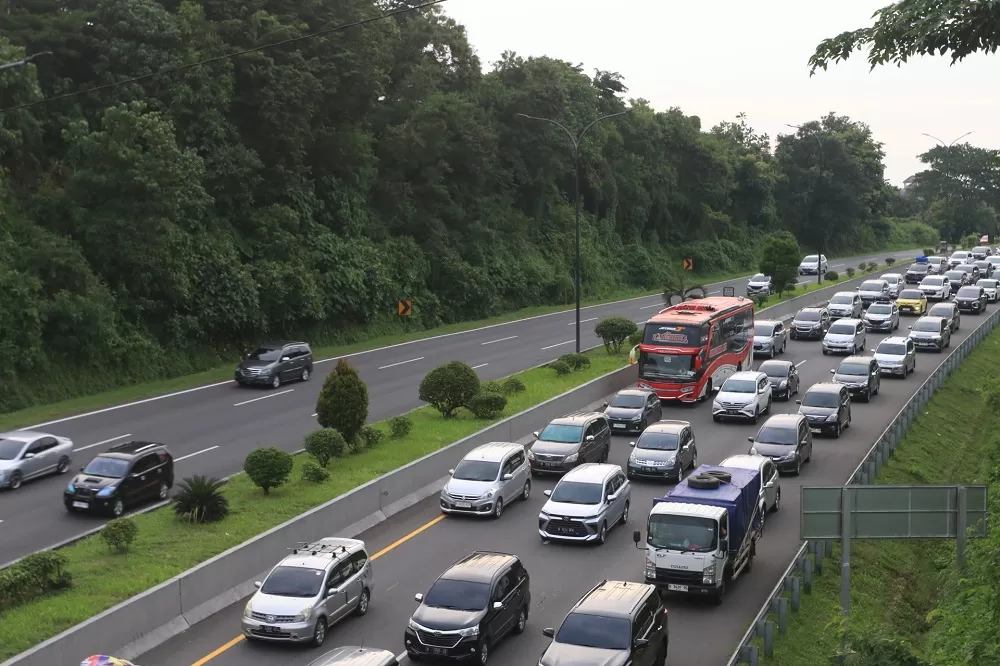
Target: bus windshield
point(654, 367)
point(675, 335)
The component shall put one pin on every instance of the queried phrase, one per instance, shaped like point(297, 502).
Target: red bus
point(690, 347)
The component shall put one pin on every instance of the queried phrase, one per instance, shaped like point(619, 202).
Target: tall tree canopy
point(156, 227)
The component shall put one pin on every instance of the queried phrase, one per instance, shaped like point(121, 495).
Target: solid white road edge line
point(196, 453)
point(106, 441)
point(393, 365)
point(558, 344)
point(481, 365)
point(264, 397)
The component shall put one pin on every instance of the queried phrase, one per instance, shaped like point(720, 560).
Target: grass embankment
point(166, 547)
point(365, 341)
point(897, 585)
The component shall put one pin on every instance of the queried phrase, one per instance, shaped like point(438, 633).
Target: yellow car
point(912, 302)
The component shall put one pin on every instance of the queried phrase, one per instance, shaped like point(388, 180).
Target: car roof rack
point(317, 548)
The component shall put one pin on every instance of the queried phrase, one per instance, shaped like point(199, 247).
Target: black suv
point(827, 408)
point(274, 363)
point(917, 272)
point(569, 441)
point(810, 324)
point(123, 476)
point(971, 299)
point(626, 618)
point(470, 608)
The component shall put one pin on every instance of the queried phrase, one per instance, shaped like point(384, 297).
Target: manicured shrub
point(119, 534)
point(831, 276)
point(268, 467)
point(400, 426)
point(863, 265)
point(513, 386)
point(343, 402)
point(635, 338)
point(200, 500)
point(576, 361)
point(760, 300)
point(850, 272)
point(486, 405)
point(871, 266)
point(889, 261)
point(324, 445)
point(449, 386)
point(370, 437)
point(614, 331)
point(313, 473)
point(491, 386)
point(561, 367)
point(32, 577)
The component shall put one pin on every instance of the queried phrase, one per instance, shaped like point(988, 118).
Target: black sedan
point(784, 378)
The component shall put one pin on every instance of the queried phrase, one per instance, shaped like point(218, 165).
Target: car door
point(642, 627)
point(507, 491)
point(354, 583)
point(335, 605)
point(624, 492)
point(911, 354)
point(844, 412)
point(603, 438)
point(778, 335)
point(146, 479)
point(519, 471)
point(793, 379)
point(655, 408)
point(686, 451)
point(874, 375)
point(33, 458)
point(769, 473)
point(805, 440)
point(860, 335)
point(858, 306)
point(286, 366)
point(499, 620)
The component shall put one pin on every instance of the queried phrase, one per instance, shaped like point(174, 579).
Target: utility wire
point(208, 61)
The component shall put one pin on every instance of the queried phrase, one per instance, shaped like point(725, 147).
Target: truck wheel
point(720, 592)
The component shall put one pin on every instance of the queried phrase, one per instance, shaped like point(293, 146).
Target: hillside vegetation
point(158, 227)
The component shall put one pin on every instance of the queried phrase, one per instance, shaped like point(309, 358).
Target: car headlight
point(572, 457)
point(637, 417)
point(469, 631)
point(709, 571)
point(531, 456)
point(247, 610)
point(832, 417)
point(632, 457)
point(304, 614)
point(106, 492)
point(488, 494)
point(783, 384)
point(716, 405)
point(70, 488)
point(786, 458)
point(413, 625)
point(753, 451)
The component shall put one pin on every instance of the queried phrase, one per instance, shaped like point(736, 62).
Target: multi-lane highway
point(211, 429)
point(412, 548)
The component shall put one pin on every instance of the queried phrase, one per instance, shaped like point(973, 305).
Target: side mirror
point(873, 351)
point(750, 439)
point(640, 643)
point(715, 389)
point(419, 598)
point(285, 358)
point(832, 371)
point(547, 493)
point(257, 584)
point(632, 444)
point(910, 327)
point(451, 472)
point(548, 632)
point(333, 591)
point(508, 477)
point(28, 456)
point(636, 536)
point(604, 405)
point(769, 484)
point(724, 543)
point(81, 469)
point(589, 438)
point(798, 402)
point(497, 605)
point(611, 498)
point(535, 434)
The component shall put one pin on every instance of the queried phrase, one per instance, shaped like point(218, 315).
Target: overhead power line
point(208, 61)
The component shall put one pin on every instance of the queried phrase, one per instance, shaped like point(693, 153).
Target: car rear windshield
point(658, 441)
point(476, 470)
point(461, 595)
point(891, 349)
point(927, 326)
point(843, 329)
point(911, 293)
point(853, 369)
point(595, 631)
point(562, 434)
point(969, 292)
point(807, 316)
point(880, 308)
point(918, 268)
point(773, 369)
point(891, 279)
point(763, 330)
point(820, 399)
point(577, 492)
point(109, 468)
point(293, 582)
point(628, 401)
point(871, 285)
point(955, 275)
point(842, 299)
point(777, 435)
point(933, 281)
point(942, 310)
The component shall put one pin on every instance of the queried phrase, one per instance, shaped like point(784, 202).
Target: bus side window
point(704, 335)
point(717, 338)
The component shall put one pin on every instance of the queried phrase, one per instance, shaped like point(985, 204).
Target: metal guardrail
point(808, 559)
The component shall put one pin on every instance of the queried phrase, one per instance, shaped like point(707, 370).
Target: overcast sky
point(715, 59)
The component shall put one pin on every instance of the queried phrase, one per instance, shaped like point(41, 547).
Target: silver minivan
point(846, 336)
point(587, 502)
point(488, 478)
point(845, 304)
point(351, 655)
point(309, 591)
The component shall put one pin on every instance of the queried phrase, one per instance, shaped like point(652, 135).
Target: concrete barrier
point(149, 619)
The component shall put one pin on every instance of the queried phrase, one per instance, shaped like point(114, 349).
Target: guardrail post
point(779, 605)
point(793, 585)
point(749, 654)
point(828, 544)
point(807, 575)
point(769, 639)
point(820, 554)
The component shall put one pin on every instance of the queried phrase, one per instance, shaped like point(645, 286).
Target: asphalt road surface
point(413, 548)
point(211, 429)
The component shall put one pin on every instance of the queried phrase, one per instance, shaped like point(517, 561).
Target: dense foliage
point(161, 226)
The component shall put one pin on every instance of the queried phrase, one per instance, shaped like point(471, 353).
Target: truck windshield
point(666, 366)
point(688, 533)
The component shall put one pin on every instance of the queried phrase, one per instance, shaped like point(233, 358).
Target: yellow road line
point(395, 544)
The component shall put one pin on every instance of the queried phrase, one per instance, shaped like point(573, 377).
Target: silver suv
point(489, 477)
point(586, 503)
point(309, 591)
point(845, 304)
point(845, 335)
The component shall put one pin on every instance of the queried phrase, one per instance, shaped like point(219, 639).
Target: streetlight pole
point(22, 63)
point(820, 160)
point(947, 151)
point(575, 141)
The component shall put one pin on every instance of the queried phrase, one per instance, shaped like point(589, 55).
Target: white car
point(759, 285)
point(813, 264)
point(744, 396)
point(895, 281)
point(587, 502)
point(771, 486)
point(991, 288)
point(936, 287)
point(960, 257)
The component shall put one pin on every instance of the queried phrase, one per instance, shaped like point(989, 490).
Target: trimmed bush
point(862, 265)
point(635, 338)
point(486, 405)
point(32, 577)
point(850, 272)
point(760, 300)
point(491, 386)
point(371, 437)
point(268, 467)
point(343, 402)
point(576, 361)
point(889, 261)
point(561, 367)
point(928, 253)
point(831, 276)
point(313, 473)
point(513, 386)
point(324, 445)
point(119, 534)
point(201, 500)
point(614, 331)
point(449, 386)
point(871, 266)
point(400, 426)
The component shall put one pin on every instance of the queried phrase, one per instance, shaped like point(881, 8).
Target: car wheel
point(63, 466)
point(362, 608)
point(602, 535)
point(837, 430)
point(276, 382)
point(484, 651)
point(498, 508)
point(522, 621)
point(777, 501)
point(15, 480)
point(305, 374)
point(118, 508)
point(526, 491)
point(694, 460)
point(625, 513)
point(163, 492)
point(319, 632)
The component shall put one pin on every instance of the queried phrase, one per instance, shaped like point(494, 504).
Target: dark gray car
point(275, 363)
point(570, 441)
point(827, 408)
point(861, 376)
point(971, 299)
point(784, 378)
point(786, 439)
point(631, 410)
point(949, 311)
point(664, 451)
point(931, 333)
point(810, 324)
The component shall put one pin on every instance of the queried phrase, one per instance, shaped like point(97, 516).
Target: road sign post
point(688, 264)
point(729, 292)
point(404, 307)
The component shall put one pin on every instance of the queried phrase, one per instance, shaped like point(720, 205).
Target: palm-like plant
point(201, 500)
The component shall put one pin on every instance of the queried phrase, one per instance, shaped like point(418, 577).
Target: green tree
point(780, 260)
point(917, 27)
point(343, 402)
point(268, 467)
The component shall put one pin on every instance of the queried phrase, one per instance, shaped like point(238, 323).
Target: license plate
point(435, 650)
point(649, 469)
point(549, 464)
point(732, 411)
point(677, 588)
point(265, 629)
point(618, 425)
point(80, 505)
point(565, 530)
point(463, 505)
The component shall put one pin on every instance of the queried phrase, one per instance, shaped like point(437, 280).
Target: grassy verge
point(896, 584)
point(166, 547)
point(124, 394)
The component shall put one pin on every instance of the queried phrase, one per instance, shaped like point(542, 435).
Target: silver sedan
point(26, 455)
